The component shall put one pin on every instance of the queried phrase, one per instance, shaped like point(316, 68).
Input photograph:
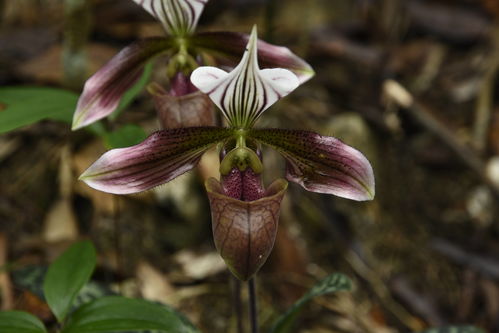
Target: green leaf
point(134, 91)
point(20, 322)
point(119, 314)
point(67, 275)
point(20, 106)
point(332, 283)
point(454, 329)
point(125, 136)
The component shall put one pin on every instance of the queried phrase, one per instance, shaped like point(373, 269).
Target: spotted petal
point(179, 17)
point(162, 157)
point(226, 47)
point(320, 163)
point(103, 91)
point(247, 91)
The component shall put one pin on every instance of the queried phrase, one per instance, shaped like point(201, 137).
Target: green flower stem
point(237, 303)
point(76, 32)
point(253, 315)
point(182, 60)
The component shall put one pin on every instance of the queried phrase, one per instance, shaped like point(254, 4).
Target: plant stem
point(237, 303)
point(252, 306)
point(76, 32)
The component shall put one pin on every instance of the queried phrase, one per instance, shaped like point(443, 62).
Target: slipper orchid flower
point(186, 50)
point(244, 213)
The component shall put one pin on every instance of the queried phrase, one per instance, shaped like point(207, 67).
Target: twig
point(362, 264)
point(486, 266)
point(484, 102)
point(419, 303)
point(253, 315)
point(381, 290)
point(398, 94)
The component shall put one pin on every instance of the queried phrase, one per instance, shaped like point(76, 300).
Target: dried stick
point(484, 102)
point(398, 94)
point(5, 284)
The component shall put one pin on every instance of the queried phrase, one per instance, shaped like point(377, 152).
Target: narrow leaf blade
point(118, 314)
point(67, 275)
point(21, 106)
point(333, 283)
point(20, 322)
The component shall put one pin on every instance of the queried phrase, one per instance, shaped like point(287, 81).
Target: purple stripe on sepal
point(320, 163)
point(103, 91)
point(228, 47)
point(163, 156)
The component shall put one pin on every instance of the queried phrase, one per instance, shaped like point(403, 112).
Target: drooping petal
point(103, 91)
point(179, 17)
point(247, 91)
point(245, 231)
point(320, 163)
point(227, 48)
point(163, 156)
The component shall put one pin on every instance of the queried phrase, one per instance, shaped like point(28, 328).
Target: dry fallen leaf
point(200, 266)
point(153, 284)
point(60, 223)
point(6, 296)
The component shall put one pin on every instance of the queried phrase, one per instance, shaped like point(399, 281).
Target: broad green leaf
point(332, 283)
point(125, 136)
point(119, 314)
point(67, 275)
point(132, 93)
point(97, 129)
point(20, 106)
point(20, 322)
point(454, 329)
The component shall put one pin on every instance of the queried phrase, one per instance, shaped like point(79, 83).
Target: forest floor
point(412, 84)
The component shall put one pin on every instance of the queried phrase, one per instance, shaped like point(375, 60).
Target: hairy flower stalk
point(245, 214)
point(185, 49)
